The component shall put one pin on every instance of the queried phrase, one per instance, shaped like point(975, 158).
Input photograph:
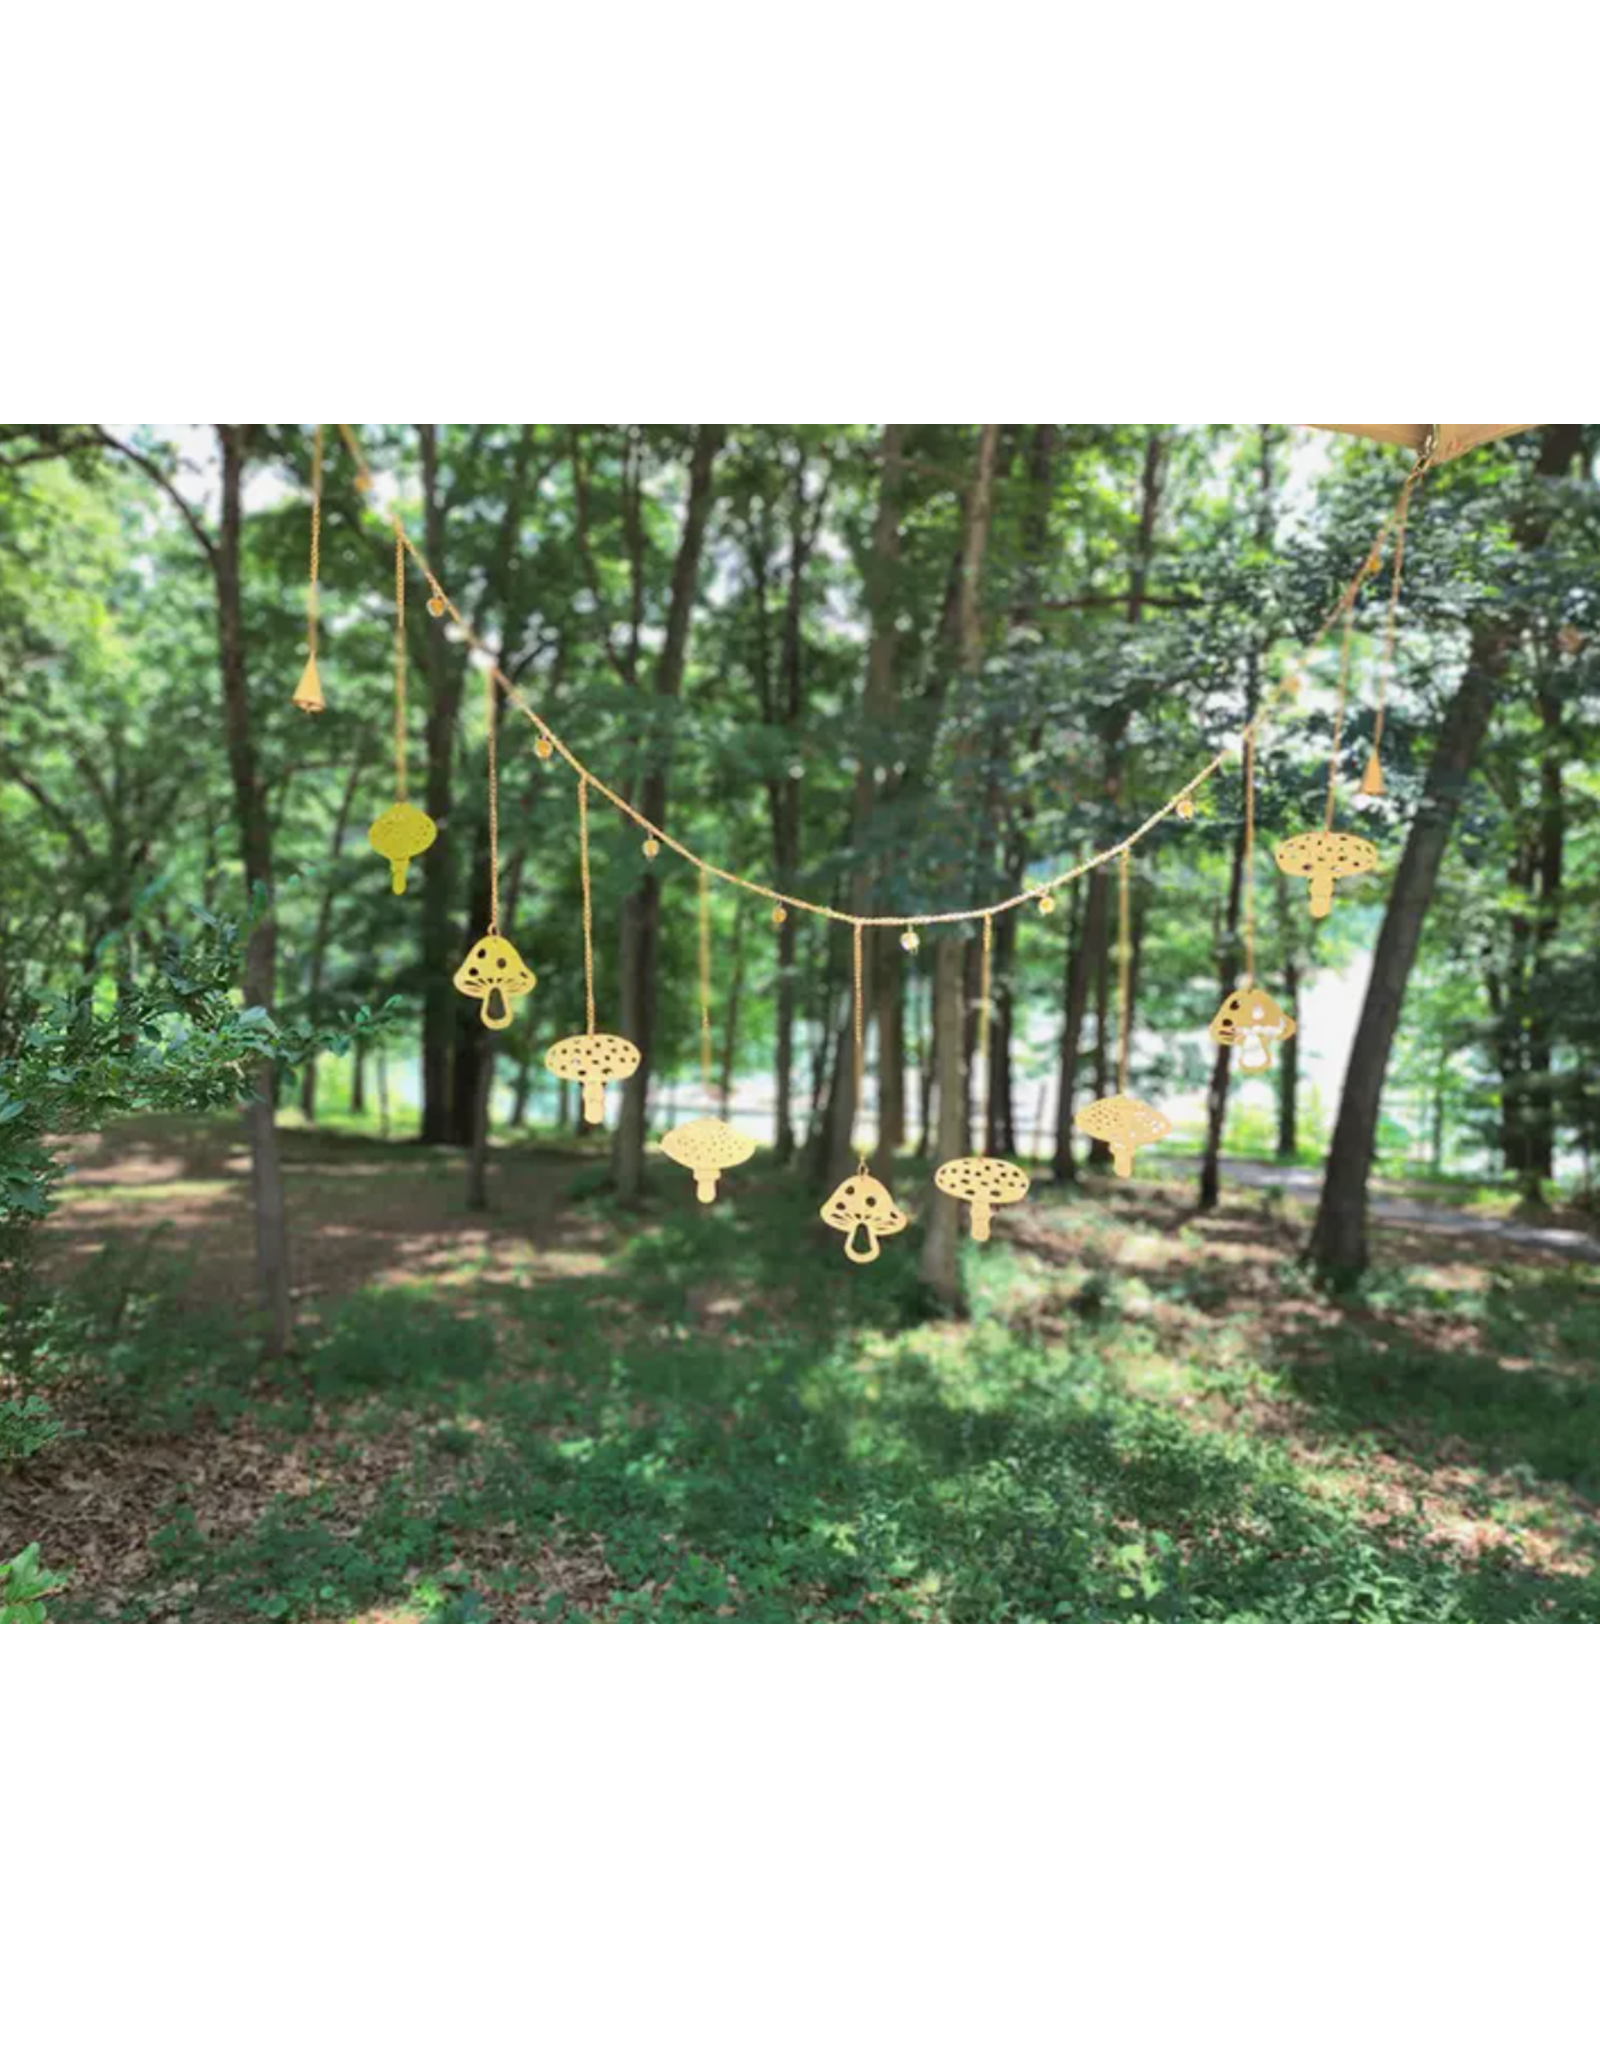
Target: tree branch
point(159, 477)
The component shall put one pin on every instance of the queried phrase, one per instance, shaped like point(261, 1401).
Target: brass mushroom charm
point(1124, 1123)
point(592, 1059)
point(400, 835)
point(1251, 1020)
point(1322, 857)
point(707, 1147)
point(494, 972)
point(862, 1204)
point(985, 1183)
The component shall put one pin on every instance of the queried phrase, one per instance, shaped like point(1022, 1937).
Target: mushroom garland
point(494, 974)
point(1324, 858)
point(863, 1206)
point(1252, 1021)
point(707, 1146)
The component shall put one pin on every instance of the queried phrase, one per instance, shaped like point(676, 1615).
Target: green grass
point(731, 1423)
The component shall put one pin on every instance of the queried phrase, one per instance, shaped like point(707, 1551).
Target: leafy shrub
point(25, 1586)
point(26, 1426)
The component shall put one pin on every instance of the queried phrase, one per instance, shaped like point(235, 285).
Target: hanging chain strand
point(399, 662)
point(860, 1033)
point(491, 706)
point(1124, 976)
point(312, 608)
point(1250, 859)
point(1386, 670)
point(985, 980)
point(1338, 716)
point(1340, 609)
point(588, 906)
point(705, 983)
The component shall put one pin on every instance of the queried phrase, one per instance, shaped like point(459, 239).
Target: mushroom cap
point(593, 1056)
point(997, 1180)
point(861, 1199)
point(1335, 853)
point(706, 1143)
point(1250, 1009)
point(1122, 1116)
point(494, 963)
point(402, 832)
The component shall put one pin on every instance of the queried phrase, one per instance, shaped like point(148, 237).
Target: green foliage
point(25, 1586)
point(26, 1426)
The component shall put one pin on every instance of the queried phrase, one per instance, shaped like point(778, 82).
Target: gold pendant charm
point(707, 1147)
point(1372, 776)
point(493, 971)
point(308, 691)
point(593, 1059)
point(1124, 1123)
point(862, 1204)
point(1322, 857)
point(400, 835)
point(985, 1183)
point(1252, 1021)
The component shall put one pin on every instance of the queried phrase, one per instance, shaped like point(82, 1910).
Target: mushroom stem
point(1253, 1053)
point(861, 1258)
point(1122, 1160)
point(705, 1184)
point(981, 1212)
point(397, 875)
point(486, 1011)
point(1321, 894)
point(594, 1102)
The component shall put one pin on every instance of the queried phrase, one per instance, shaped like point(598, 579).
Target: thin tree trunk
point(445, 676)
point(478, 1152)
point(319, 942)
point(1289, 1050)
point(641, 913)
point(1339, 1239)
point(891, 1017)
point(941, 1246)
point(729, 1057)
point(358, 1080)
point(255, 833)
point(521, 1089)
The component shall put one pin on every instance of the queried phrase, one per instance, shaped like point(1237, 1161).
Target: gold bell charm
point(308, 691)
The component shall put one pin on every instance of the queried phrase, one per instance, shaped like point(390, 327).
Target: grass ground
point(561, 1412)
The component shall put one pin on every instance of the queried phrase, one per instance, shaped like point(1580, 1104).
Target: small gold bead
point(651, 848)
point(909, 941)
point(1186, 807)
point(436, 607)
point(1374, 563)
point(543, 748)
point(363, 482)
point(1047, 904)
point(779, 914)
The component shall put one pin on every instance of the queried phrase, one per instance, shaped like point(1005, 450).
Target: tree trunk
point(1339, 1238)
point(319, 941)
point(641, 913)
point(521, 1091)
point(445, 675)
point(255, 834)
point(478, 1152)
point(1222, 1061)
point(729, 1058)
point(940, 1267)
point(358, 1080)
point(1082, 944)
point(1289, 1050)
point(891, 1055)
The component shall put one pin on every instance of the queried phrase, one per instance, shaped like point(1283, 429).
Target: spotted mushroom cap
point(494, 963)
point(402, 832)
point(1336, 853)
point(996, 1179)
point(1251, 1009)
point(1122, 1116)
point(593, 1056)
point(862, 1199)
point(707, 1142)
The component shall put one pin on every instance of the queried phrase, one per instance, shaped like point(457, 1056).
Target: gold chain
point(316, 542)
point(985, 978)
point(1250, 860)
point(1124, 958)
point(860, 1029)
point(1386, 670)
point(705, 982)
point(399, 662)
point(1338, 716)
point(491, 708)
point(588, 907)
point(899, 921)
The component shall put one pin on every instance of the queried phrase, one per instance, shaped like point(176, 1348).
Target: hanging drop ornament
point(592, 1058)
point(403, 832)
point(987, 1184)
point(1122, 1121)
point(308, 691)
point(543, 748)
point(1252, 1021)
point(651, 848)
point(1185, 808)
point(1372, 776)
point(779, 914)
point(909, 942)
point(1047, 904)
point(1324, 858)
point(495, 975)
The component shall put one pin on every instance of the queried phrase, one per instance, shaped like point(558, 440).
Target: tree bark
point(1339, 1238)
point(324, 927)
point(641, 913)
point(255, 836)
point(445, 675)
point(1289, 1050)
